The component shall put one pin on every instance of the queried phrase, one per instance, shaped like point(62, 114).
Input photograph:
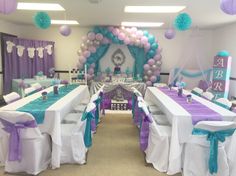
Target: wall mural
point(143, 47)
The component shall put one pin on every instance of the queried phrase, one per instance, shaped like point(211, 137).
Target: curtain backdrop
point(24, 67)
point(140, 59)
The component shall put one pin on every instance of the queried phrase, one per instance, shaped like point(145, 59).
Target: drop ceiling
point(204, 13)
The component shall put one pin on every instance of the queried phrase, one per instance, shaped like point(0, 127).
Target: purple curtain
point(16, 67)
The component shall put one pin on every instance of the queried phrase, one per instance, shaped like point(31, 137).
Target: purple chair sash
point(144, 130)
point(93, 122)
point(198, 111)
point(14, 140)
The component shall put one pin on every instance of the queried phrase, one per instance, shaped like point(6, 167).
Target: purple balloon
point(91, 36)
point(86, 53)
point(157, 73)
point(157, 57)
point(228, 6)
point(146, 67)
point(93, 65)
point(8, 6)
point(91, 71)
point(99, 37)
point(79, 66)
point(105, 40)
point(149, 72)
point(153, 79)
point(65, 30)
point(92, 49)
point(149, 83)
point(82, 59)
point(144, 40)
point(121, 36)
point(151, 62)
point(170, 33)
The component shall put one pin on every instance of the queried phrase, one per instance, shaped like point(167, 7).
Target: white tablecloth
point(181, 122)
point(53, 115)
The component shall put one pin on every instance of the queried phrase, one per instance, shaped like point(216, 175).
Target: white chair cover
point(154, 109)
point(197, 151)
point(72, 118)
point(35, 147)
point(157, 152)
point(161, 119)
point(159, 84)
point(208, 95)
point(80, 108)
point(29, 90)
point(225, 102)
point(11, 97)
point(198, 90)
point(37, 86)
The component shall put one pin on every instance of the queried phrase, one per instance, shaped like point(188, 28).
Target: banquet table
point(44, 82)
point(53, 115)
point(181, 120)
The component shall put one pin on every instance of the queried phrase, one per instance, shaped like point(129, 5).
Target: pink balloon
point(157, 73)
point(159, 50)
point(105, 40)
point(151, 62)
point(139, 33)
point(127, 41)
point(110, 28)
point(93, 65)
point(91, 71)
point(149, 83)
point(84, 38)
point(92, 49)
point(79, 66)
point(157, 57)
point(146, 67)
point(153, 79)
point(115, 31)
point(134, 29)
point(91, 35)
point(144, 40)
point(147, 46)
point(121, 36)
point(86, 53)
point(82, 59)
point(99, 37)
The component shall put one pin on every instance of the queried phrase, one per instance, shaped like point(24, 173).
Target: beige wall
point(66, 47)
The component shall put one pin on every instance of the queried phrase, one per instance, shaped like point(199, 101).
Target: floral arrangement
point(44, 93)
point(40, 73)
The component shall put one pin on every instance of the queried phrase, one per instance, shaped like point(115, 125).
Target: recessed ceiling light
point(39, 6)
point(153, 9)
point(142, 24)
point(74, 22)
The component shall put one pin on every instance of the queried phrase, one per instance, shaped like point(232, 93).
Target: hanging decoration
point(42, 20)
point(20, 50)
point(228, 6)
point(183, 22)
point(31, 52)
point(40, 52)
point(65, 30)
point(10, 46)
point(99, 38)
point(170, 33)
point(8, 6)
point(49, 49)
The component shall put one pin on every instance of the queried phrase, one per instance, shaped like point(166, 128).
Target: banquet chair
point(204, 152)
point(37, 86)
point(11, 97)
point(223, 102)
point(76, 138)
point(161, 119)
point(31, 152)
point(72, 118)
point(29, 91)
point(197, 91)
point(208, 95)
point(157, 151)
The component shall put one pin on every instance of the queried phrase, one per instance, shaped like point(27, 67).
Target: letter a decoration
point(221, 75)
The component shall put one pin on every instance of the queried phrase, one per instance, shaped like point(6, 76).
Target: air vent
point(95, 1)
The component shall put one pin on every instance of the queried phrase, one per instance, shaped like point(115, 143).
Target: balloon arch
point(143, 47)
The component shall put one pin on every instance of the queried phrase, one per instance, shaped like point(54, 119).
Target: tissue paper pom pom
point(223, 53)
point(183, 22)
point(42, 20)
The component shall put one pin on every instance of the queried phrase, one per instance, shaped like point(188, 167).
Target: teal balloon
point(145, 33)
point(154, 46)
point(151, 53)
point(223, 53)
point(110, 35)
point(151, 39)
point(42, 20)
point(96, 29)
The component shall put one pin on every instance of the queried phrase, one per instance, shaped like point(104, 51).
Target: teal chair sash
point(214, 138)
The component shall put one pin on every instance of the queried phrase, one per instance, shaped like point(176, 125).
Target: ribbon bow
point(144, 129)
point(214, 138)
point(87, 134)
point(14, 140)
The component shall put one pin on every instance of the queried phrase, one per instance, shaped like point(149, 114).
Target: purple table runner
point(198, 111)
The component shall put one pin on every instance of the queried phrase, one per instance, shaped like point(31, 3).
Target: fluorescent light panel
point(39, 6)
point(142, 24)
point(153, 9)
point(64, 22)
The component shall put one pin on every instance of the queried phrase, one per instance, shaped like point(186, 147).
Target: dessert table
point(44, 82)
point(53, 115)
point(182, 118)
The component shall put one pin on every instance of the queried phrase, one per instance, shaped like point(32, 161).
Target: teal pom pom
point(183, 22)
point(42, 20)
point(223, 53)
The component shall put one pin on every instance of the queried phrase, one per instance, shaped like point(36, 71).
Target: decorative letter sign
point(221, 75)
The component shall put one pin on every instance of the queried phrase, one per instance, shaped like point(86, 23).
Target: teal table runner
point(38, 107)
